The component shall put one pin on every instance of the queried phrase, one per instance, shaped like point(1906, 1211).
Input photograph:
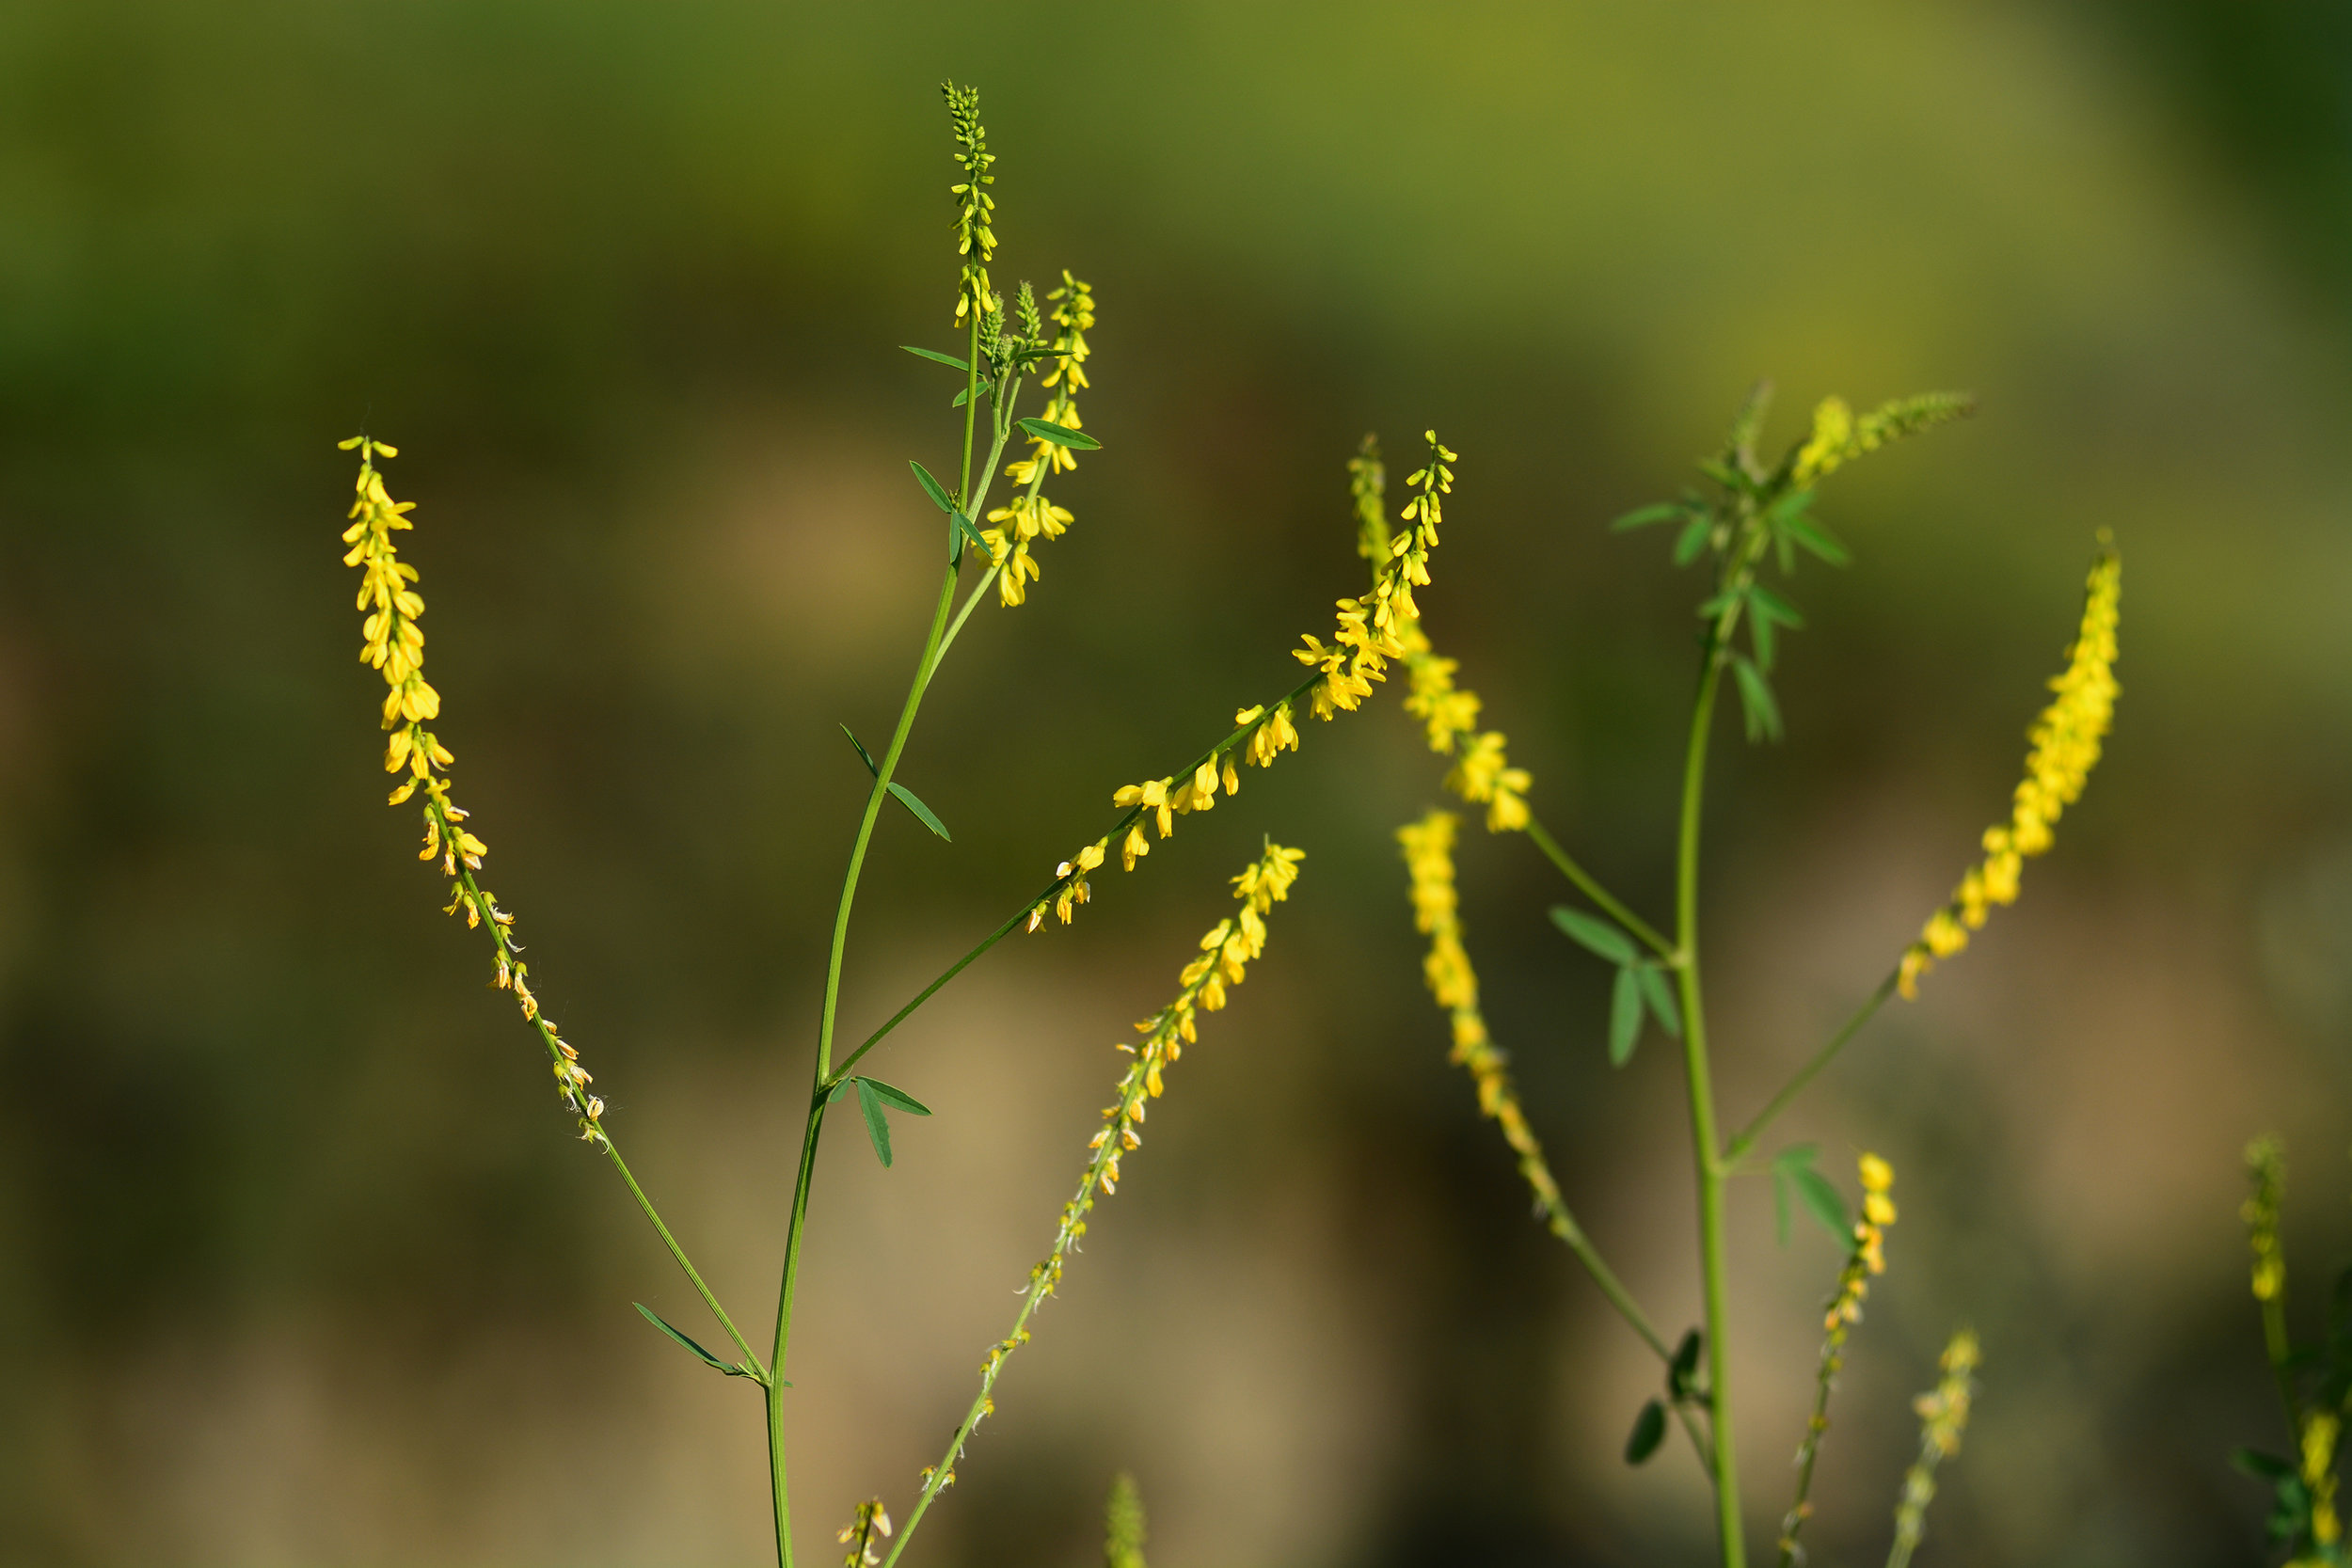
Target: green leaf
point(1814, 537)
point(1716, 605)
point(1761, 633)
point(2262, 1466)
point(1592, 932)
point(922, 813)
point(1694, 540)
point(899, 1098)
point(1624, 1017)
point(1755, 700)
point(869, 1106)
point(1794, 1158)
point(1650, 1430)
point(1770, 605)
point(709, 1360)
point(906, 797)
point(1661, 997)
point(1821, 1200)
point(933, 489)
point(1682, 1371)
point(1062, 435)
point(947, 359)
point(988, 388)
point(1645, 515)
point(971, 535)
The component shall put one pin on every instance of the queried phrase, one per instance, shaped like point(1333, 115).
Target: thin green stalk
point(971, 405)
point(1593, 890)
point(480, 902)
point(760, 1371)
point(793, 1231)
point(1805, 1074)
point(1705, 1151)
point(874, 798)
point(1021, 915)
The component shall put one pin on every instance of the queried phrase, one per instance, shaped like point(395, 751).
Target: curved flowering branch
point(393, 645)
point(1223, 961)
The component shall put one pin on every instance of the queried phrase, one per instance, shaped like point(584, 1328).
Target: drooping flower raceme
point(394, 643)
point(1031, 516)
point(2066, 743)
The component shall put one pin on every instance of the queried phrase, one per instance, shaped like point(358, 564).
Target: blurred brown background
point(296, 1265)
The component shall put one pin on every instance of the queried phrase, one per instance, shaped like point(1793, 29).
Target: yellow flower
point(974, 241)
point(1838, 437)
point(392, 643)
point(2066, 738)
point(1368, 633)
point(1428, 846)
point(1222, 963)
point(1031, 515)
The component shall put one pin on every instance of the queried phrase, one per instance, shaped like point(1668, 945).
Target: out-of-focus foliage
point(296, 1272)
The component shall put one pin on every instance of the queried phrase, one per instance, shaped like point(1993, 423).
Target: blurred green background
point(296, 1265)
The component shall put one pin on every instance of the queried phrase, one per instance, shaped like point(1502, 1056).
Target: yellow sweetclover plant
point(1757, 513)
point(1003, 349)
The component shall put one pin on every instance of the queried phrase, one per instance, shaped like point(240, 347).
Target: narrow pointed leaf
point(1645, 515)
point(1761, 633)
point(869, 1106)
point(864, 755)
point(933, 489)
point(713, 1362)
point(1061, 436)
point(1650, 1430)
point(1755, 702)
point(1814, 537)
point(899, 1098)
point(1694, 540)
point(1821, 1200)
point(922, 813)
point(1682, 1371)
point(1796, 1155)
point(1770, 605)
point(947, 359)
point(1661, 997)
point(1594, 933)
point(1716, 605)
point(1624, 1017)
point(971, 535)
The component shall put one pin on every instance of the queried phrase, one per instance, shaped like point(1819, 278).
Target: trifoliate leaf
point(1046, 430)
point(1650, 1430)
point(1592, 932)
point(1624, 1017)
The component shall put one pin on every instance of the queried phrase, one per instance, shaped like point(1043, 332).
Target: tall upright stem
point(824, 1047)
point(783, 1331)
point(1705, 1152)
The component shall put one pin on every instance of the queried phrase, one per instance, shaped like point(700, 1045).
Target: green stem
point(1021, 915)
point(487, 914)
point(1593, 890)
point(971, 405)
point(1704, 1150)
point(1805, 1074)
point(792, 1234)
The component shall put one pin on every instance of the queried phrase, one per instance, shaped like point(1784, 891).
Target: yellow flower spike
point(1942, 1419)
point(1265, 881)
point(2067, 739)
point(393, 645)
point(1428, 846)
point(974, 241)
point(1031, 516)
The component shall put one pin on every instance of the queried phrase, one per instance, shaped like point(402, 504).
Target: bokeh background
point(296, 1264)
